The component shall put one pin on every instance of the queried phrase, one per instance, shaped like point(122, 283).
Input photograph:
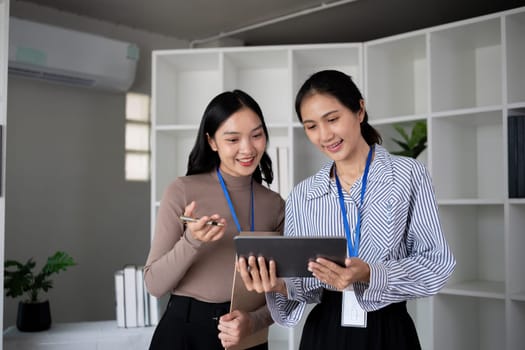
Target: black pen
point(188, 219)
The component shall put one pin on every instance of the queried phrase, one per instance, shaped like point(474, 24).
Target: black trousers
point(388, 328)
point(190, 324)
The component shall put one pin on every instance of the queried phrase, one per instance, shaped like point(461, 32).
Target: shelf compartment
point(172, 148)
point(516, 321)
point(307, 61)
point(476, 236)
point(515, 32)
point(388, 132)
point(463, 61)
point(263, 74)
point(184, 84)
point(482, 289)
point(397, 77)
point(468, 323)
point(307, 159)
point(469, 161)
point(516, 243)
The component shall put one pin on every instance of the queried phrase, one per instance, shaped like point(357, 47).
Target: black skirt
point(388, 328)
point(191, 324)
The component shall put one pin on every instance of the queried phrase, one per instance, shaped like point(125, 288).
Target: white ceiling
point(280, 21)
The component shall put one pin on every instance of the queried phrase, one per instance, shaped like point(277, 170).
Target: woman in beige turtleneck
point(195, 261)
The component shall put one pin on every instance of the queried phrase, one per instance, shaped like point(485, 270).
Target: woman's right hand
point(258, 277)
point(200, 230)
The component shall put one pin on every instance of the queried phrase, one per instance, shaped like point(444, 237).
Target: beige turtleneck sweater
point(178, 263)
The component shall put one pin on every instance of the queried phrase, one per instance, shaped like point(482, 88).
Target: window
point(137, 137)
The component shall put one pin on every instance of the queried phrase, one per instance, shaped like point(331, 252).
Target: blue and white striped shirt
point(401, 236)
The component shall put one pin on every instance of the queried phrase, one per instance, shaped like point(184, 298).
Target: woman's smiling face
point(240, 143)
point(331, 126)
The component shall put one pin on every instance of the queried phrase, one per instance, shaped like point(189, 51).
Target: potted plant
point(414, 144)
point(33, 312)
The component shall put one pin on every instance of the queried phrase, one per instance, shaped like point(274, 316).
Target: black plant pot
point(33, 317)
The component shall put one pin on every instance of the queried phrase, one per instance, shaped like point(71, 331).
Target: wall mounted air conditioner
point(59, 55)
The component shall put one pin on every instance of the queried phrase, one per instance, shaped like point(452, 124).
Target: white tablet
point(292, 254)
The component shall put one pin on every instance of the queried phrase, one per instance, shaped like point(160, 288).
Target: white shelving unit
point(184, 81)
point(464, 79)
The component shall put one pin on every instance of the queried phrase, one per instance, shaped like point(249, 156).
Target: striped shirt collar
point(380, 171)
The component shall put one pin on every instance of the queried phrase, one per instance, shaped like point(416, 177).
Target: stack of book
point(135, 307)
point(516, 152)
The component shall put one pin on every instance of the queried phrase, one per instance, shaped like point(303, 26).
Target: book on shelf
point(133, 301)
point(130, 295)
point(516, 155)
point(153, 310)
point(521, 156)
point(145, 298)
point(119, 299)
point(512, 156)
point(139, 280)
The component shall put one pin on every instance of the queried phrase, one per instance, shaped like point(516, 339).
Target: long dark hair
point(202, 158)
point(341, 87)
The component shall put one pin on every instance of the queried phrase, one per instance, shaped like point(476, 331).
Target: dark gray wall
point(65, 178)
point(66, 190)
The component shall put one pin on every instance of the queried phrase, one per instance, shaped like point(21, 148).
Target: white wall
point(65, 177)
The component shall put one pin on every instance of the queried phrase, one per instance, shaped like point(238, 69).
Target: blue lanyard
point(353, 248)
point(230, 204)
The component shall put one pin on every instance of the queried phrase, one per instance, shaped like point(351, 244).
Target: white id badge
point(352, 314)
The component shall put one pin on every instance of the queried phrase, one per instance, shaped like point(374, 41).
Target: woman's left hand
point(233, 327)
point(326, 271)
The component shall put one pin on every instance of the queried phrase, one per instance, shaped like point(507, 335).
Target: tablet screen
point(292, 254)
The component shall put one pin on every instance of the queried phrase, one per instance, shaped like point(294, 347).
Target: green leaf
point(403, 145)
point(18, 281)
point(19, 278)
point(415, 144)
point(58, 262)
point(47, 285)
point(402, 132)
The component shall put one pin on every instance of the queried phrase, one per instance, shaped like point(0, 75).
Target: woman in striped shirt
point(386, 208)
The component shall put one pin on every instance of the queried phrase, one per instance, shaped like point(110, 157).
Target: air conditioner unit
point(59, 55)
